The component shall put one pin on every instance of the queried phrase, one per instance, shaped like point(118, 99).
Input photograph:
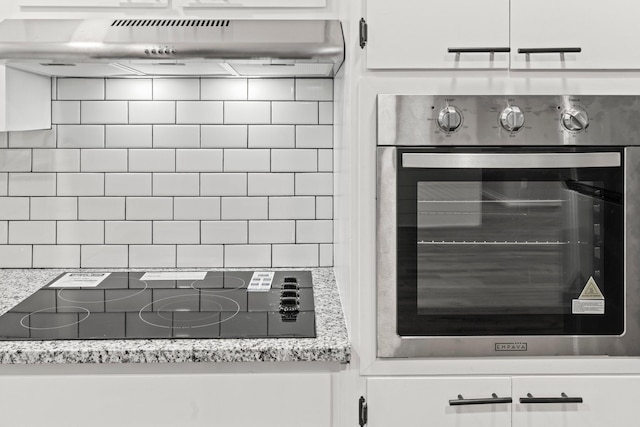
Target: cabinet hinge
point(362, 411)
point(363, 33)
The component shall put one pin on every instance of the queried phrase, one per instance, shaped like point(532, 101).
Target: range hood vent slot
point(170, 23)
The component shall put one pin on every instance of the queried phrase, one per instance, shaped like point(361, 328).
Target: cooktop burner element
point(139, 305)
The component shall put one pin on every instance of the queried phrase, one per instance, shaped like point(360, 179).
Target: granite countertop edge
point(330, 345)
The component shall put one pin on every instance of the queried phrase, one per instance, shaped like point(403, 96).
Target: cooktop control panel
point(507, 120)
point(165, 304)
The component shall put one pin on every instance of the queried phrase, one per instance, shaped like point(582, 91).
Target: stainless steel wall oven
point(508, 225)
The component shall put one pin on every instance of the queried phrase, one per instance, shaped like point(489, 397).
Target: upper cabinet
point(206, 4)
point(418, 34)
point(468, 34)
point(86, 4)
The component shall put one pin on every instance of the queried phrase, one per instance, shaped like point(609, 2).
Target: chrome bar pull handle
point(550, 50)
point(479, 50)
point(494, 399)
point(562, 399)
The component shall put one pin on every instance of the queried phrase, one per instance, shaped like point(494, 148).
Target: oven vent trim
point(171, 23)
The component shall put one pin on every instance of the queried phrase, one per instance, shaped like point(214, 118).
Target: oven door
point(502, 252)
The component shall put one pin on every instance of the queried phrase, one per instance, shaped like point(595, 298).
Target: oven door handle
point(510, 160)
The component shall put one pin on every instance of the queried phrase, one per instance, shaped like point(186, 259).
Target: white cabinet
point(85, 4)
point(607, 34)
point(25, 100)
point(205, 4)
point(572, 34)
point(414, 34)
point(419, 401)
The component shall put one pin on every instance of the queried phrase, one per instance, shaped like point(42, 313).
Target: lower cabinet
point(537, 401)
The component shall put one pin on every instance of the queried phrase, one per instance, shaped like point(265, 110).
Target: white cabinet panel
point(94, 3)
point(413, 34)
point(607, 33)
point(414, 401)
point(607, 401)
point(205, 4)
point(25, 100)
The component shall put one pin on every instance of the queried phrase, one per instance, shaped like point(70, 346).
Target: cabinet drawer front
point(413, 34)
point(606, 401)
point(410, 402)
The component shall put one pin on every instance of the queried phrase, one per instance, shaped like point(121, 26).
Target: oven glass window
point(510, 251)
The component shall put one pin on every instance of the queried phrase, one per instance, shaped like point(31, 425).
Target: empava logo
point(511, 346)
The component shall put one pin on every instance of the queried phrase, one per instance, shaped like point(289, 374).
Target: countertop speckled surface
point(330, 345)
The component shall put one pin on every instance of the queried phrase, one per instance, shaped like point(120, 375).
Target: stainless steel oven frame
point(404, 127)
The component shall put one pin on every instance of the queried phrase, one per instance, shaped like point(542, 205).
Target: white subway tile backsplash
point(56, 160)
point(176, 89)
point(324, 207)
point(244, 208)
point(143, 256)
point(15, 256)
point(223, 184)
point(56, 256)
point(65, 112)
point(4, 232)
point(271, 89)
point(104, 256)
point(176, 232)
point(272, 136)
point(295, 160)
point(32, 184)
point(104, 112)
point(80, 232)
point(247, 256)
point(176, 184)
point(224, 232)
point(33, 139)
point(295, 113)
point(176, 136)
point(80, 184)
point(325, 160)
point(314, 136)
point(205, 256)
point(129, 136)
point(227, 136)
point(139, 89)
point(32, 232)
point(247, 112)
point(127, 184)
point(15, 160)
point(196, 208)
point(314, 89)
point(292, 207)
point(318, 231)
point(149, 208)
point(15, 208)
point(4, 139)
point(199, 112)
point(103, 160)
point(271, 184)
point(224, 89)
point(54, 208)
point(325, 113)
point(155, 160)
point(4, 183)
point(246, 160)
point(101, 208)
point(128, 232)
point(80, 136)
point(80, 89)
point(272, 232)
point(203, 160)
point(152, 112)
point(295, 255)
point(317, 184)
point(326, 255)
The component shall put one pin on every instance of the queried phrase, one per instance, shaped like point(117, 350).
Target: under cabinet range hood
point(172, 47)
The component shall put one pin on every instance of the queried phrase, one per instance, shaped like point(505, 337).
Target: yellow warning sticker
point(591, 290)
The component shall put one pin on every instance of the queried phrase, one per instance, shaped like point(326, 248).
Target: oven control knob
point(575, 119)
point(512, 118)
point(449, 119)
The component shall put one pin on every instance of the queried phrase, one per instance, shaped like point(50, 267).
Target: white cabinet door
point(205, 4)
point(414, 401)
point(606, 32)
point(607, 401)
point(94, 3)
point(416, 34)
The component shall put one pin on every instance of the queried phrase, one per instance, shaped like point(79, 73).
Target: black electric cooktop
point(213, 304)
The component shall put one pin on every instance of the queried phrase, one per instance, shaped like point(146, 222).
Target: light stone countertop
point(330, 345)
